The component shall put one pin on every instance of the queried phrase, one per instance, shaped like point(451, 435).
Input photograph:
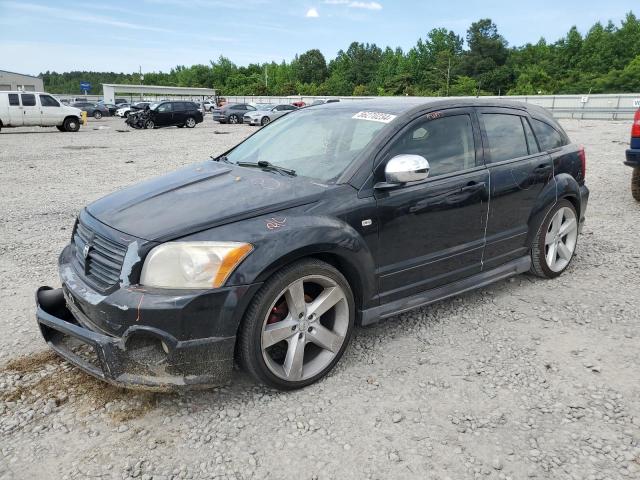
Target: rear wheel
point(555, 242)
point(297, 326)
point(71, 124)
point(635, 184)
point(265, 120)
point(234, 119)
point(97, 114)
point(190, 122)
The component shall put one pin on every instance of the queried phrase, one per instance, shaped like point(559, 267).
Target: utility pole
point(266, 77)
point(141, 78)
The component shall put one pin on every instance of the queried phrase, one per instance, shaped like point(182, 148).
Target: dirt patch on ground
point(44, 375)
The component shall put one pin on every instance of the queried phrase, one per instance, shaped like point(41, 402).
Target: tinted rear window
point(28, 100)
point(505, 135)
point(13, 99)
point(548, 137)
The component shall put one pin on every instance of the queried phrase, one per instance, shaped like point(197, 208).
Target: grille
point(102, 265)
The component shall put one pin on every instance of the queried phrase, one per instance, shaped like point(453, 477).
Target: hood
point(198, 197)
point(73, 110)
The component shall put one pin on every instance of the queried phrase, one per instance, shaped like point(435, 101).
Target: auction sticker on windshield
point(374, 116)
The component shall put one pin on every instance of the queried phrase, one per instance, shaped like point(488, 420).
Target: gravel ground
point(524, 379)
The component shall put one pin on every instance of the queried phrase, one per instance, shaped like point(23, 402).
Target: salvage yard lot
point(526, 378)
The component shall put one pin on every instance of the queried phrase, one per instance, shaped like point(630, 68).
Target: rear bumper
point(159, 362)
point(633, 158)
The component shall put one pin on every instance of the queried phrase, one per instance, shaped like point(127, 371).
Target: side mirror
point(405, 169)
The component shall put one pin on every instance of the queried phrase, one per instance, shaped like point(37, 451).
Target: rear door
point(16, 117)
point(179, 113)
point(30, 109)
point(518, 171)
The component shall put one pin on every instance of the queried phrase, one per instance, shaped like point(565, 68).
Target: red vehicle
point(633, 157)
point(299, 104)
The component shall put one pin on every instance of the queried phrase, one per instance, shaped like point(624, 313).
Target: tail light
point(583, 161)
point(635, 129)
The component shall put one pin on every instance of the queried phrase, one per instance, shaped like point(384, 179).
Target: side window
point(13, 99)
point(165, 107)
point(28, 100)
point(48, 101)
point(548, 136)
point(531, 138)
point(289, 107)
point(179, 107)
point(505, 135)
point(447, 144)
point(249, 108)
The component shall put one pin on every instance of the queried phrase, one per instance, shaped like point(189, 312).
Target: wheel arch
point(562, 186)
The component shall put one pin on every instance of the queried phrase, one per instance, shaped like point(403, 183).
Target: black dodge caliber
point(330, 217)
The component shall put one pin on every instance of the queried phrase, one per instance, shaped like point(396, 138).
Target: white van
point(26, 109)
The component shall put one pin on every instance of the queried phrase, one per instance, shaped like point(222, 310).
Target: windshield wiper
point(268, 166)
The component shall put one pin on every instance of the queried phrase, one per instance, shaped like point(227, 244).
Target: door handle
point(473, 187)
point(542, 168)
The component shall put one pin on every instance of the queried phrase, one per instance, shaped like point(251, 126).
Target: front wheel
point(635, 184)
point(555, 243)
point(150, 125)
point(190, 123)
point(265, 121)
point(71, 125)
point(60, 128)
point(297, 326)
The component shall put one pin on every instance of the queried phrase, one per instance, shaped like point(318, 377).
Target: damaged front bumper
point(145, 357)
point(133, 336)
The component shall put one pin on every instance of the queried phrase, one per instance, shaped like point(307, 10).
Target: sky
point(123, 35)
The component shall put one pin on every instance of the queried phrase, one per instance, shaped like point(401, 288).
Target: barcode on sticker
point(374, 116)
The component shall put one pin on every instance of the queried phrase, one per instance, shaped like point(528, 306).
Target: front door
point(519, 171)
point(30, 109)
point(432, 233)
point(16, 117)
point(164, 115)
point(52, 113)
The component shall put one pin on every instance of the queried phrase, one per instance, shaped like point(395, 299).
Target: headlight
point(192, 264)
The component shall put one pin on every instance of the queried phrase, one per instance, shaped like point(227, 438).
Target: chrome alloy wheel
point(560, 240)
point(305, 328)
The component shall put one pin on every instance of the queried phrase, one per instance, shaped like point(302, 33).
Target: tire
point(555, 242)
point(190, 122)
point(635, 184)
point(270, 307)
point(149, 124)
point(60, 127)
point(233, 119)
point(97, 114)
point(265, 121)
point(71, 124)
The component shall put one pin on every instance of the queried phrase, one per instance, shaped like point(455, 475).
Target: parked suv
point(20, 109)
point(633, 156)
point(174, 113)
point(232, 113)
point(341, 214)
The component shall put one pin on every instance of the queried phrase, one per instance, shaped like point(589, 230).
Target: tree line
point(604, 60)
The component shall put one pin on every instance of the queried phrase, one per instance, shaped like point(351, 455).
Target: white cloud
point(352, 4)
point(366, 5)
point(312, 13)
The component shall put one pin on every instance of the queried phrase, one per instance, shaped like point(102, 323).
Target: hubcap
point(233, 119)
point(560, 241)
point(191, 122)
point(305, 328)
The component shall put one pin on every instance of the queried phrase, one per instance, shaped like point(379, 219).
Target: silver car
point(265, 113)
